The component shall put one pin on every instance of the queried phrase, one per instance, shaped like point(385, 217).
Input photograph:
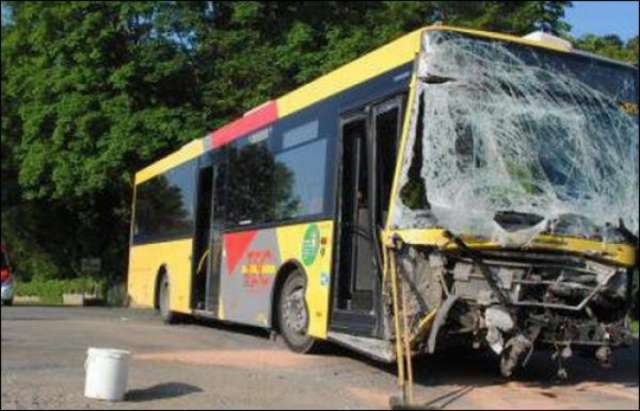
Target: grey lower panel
point(377, 349)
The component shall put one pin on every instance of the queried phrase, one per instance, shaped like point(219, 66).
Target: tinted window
point(250, 185)
point(164, 205)
point(306, 164)
point(265, 187)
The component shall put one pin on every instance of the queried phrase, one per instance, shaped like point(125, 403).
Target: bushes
point(50, 291)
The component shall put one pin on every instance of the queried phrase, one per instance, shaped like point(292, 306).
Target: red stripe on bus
point(235, 246)
point(257, 118)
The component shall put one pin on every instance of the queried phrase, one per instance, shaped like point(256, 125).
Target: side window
point(268, 185)
point(303, 195)
point(252, 174)
point(164, 205)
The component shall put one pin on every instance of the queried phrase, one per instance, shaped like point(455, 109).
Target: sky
point(603, 17)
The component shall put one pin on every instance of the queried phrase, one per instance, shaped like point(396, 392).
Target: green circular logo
point(310, 244)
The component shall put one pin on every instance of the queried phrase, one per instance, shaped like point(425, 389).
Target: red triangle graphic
point(235, 245)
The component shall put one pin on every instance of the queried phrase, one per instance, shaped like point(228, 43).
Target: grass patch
point(634, 327)
point(50, 291)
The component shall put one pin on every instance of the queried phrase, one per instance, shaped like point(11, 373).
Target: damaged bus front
point(515, 211)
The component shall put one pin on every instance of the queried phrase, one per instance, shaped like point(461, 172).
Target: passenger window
point(266, 186)
point(164, 205)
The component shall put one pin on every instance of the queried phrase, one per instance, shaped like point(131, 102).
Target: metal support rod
point(407, 348)
point(396, 319)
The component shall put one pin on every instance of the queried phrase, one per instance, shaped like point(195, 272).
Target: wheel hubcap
point(295, 313)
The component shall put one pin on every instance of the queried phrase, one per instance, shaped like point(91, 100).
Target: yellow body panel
point(379, 61)
point(622, 254)
point(375, 63)
point(290, 240)
point(144, 264)
point(186, 153)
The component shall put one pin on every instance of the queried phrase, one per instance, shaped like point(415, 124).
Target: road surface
point(211, 365)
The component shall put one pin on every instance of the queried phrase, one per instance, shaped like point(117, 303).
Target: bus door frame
point(202, 163)
point(341, 319)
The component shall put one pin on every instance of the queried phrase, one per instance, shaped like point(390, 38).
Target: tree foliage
point(93, 91)
point(610, 46)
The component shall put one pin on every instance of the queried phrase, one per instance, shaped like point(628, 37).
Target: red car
point(6, 280)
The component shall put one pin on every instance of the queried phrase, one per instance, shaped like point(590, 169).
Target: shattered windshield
point(508, 139)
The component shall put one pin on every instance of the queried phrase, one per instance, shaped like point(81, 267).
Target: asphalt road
point(210, 365)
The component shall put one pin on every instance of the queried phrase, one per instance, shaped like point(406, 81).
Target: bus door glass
point(200, 256)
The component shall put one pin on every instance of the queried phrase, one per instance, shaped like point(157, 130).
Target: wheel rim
point(295, 311)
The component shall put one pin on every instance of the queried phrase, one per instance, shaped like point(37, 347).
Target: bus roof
point(370, 65)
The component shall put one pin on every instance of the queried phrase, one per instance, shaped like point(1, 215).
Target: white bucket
point(107, 371)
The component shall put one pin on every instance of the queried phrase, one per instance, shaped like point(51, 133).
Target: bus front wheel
point(164, 307)
point(293, 315)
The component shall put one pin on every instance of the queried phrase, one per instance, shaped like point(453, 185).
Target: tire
point(293, 314)
point(168, 316)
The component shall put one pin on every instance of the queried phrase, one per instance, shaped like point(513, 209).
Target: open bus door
point(207, 247)
point(369, 140)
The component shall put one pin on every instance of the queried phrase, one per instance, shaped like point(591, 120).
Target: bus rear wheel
point(168, 316)
point(293, 315)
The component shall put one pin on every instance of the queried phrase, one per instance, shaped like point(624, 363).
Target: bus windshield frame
point(501, 127)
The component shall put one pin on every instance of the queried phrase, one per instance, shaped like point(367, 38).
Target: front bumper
point(509, 300)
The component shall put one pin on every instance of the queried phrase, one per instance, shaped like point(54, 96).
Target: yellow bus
point(499, 172)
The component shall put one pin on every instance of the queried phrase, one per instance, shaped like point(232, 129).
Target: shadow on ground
point(161, 391)
point(468, 370)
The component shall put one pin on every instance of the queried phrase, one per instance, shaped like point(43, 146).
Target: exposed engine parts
point(514, 302)
point(516, 352)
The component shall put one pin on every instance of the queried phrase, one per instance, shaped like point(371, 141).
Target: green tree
point(93, 91)
point(610, 46)
point(102, 91)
